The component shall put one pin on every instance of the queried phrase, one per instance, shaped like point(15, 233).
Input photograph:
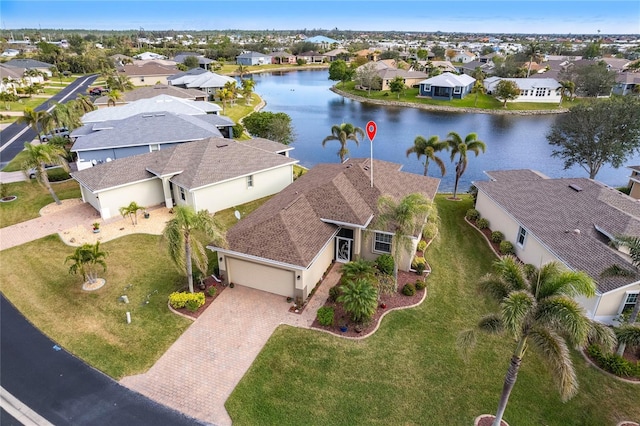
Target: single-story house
point(634, 182)
point(152, 92)
point(283, 58)
point(447, 86)
point(30, 64)
point(159, 103)
point(312, 57)
point(545, 90)
point(203, 62)
point(626, 83)
point(200, 79)
point(147, 73)
point(572, 221)
point(326, 215)
point(410, 78)
point(372, 54)
point(253, 58)
point(10, 78)
point(335, 54)
point(104, 141)
point(470, 68)
point(463, 56)
point(146, 56)
point(212, 174)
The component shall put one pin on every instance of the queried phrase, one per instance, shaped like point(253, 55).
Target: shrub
point(422, 245)
point(506, 248)
point(386, 284)
point(211, 291)
point(613, 363)
point(420, 284)
point(472, 214)
point(430, 230)
point(482, 223)
point(530, 270)
point(409, 289)
point(419, 264)
point(183, 299)
point(334, 293)
point(497, 236)
point(325, 315)
point(359, 298)
point(238, 129)
point(385, 264)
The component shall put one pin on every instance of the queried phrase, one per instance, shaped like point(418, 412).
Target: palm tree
point(633, 245)
point(232, 87)
point(478, 88)
point(247, 89)
point(342, 133)
point(225, 95)
point(33, 119)
point(405, 218)
point(184, 247)
point(36, 158)
point(83, 104)
point(132, 211)
point(114, 96)
point(460, 148)
point(533, 52)
point(568, 88)
point(628, 334)
point(85, 258)
point(65, 115)
point(538, 309)
point(428, 148)
point(359, 297)
point(242, 70)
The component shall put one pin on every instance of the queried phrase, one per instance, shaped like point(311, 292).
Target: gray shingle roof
point(292, 226)
point(551, 210)
point(448, 79)
point(27, 63)
point(195, 164)
point(144, 129)
point(153, 91)
point(268, 145)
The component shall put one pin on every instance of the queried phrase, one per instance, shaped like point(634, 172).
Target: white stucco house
point(573, 221)
point(212, 174)
point(545, 90)
point(326, 215)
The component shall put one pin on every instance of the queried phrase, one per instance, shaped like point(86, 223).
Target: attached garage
point(261, 277)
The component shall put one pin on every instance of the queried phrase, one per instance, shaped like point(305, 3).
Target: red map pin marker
point(372, 128)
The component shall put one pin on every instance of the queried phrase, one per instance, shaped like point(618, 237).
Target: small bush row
point(422, 245)
point(507, 248)
point(385, 264)
point(614, 363)
point(497, 237)
point(184, 299)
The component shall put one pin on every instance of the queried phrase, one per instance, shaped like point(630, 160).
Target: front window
point(522, 236)
point(427, 87)
point(457, 90)
point(629, 303)
point(183, 195)
point(382, 243)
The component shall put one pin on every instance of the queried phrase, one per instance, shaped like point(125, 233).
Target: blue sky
point(538, 16)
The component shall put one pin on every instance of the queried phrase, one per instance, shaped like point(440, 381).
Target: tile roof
point(143, 129)
point(159, 103)
point(194, 165)
point(550, 209)
point(295, 225)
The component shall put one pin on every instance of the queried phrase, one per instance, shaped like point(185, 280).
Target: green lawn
point(410, 371)
point(15, 165)
point(240, 109)
point(92, 325)
point(409, 95)
point(31, 198)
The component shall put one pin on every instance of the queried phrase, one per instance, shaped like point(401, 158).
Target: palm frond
point(564, 315)
point(491, 323)
point(556, 355)
point(465, 342)
point(510, 270)
point(516, 307)
point(629, 334)
point(602, 335)
point(568, 283)
point(495, 287)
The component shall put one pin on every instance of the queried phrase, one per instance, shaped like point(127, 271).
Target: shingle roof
point(147, 69)
point(295, 225)
point(160, 103)
point(27, 63)
point(523, 83)
point(268, 145)
point(194, 164)
point(143, 129)
point(253, 55)
point(551, 210)
point(153, 91)
point(197, 77)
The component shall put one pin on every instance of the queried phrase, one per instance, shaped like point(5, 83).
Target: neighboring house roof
point(27, 64)
point(149, 55)
point(281, 54)
point(321, 40)
point(143, 129)
point(147, 69)
point(160, 103)
point(628, 78)
point(295, 225)
point(153, 91)
point(193, 165)
point(253, 55)
point(390, 73)
point(310, 53)
point(552, 211)
point(180, 58)
point(443, 65)
point(197, 77)
point(336, 52)
point(268, 145)
point(617, 64)
point(10, 72)
point(448, 79)
point(636, 168)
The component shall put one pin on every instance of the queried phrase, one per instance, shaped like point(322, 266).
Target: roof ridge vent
point(221, 145)
point(575, 187)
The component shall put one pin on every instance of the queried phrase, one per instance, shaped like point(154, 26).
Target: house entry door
point(343, 249)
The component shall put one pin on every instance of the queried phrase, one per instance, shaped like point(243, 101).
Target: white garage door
point(261, 277)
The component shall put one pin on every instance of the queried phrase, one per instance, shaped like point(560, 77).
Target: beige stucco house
point(634, 182)
point(212, 174)
point(326, 215)
point(573, 221)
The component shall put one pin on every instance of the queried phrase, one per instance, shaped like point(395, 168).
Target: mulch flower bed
point(391, 301)
point(209, 282)
point(487, 420)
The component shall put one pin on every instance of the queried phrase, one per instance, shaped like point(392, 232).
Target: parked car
point(32, 171)
point(58, 131)
point(98, 91)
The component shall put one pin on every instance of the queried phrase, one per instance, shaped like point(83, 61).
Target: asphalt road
point(12, 138)
point(64, 390)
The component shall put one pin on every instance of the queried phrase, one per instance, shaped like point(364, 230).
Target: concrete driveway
point(221, 344)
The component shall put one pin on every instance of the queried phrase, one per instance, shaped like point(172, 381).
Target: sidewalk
point(11, 177)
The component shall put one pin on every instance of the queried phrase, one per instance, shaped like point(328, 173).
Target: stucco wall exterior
point(146, 193)
point(610, 304)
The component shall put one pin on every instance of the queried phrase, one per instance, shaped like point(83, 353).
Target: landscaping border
point(622, 379)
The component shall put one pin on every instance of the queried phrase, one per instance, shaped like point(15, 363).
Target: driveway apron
point(200, 370)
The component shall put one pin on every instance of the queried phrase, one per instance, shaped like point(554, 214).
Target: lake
point(513, 142)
